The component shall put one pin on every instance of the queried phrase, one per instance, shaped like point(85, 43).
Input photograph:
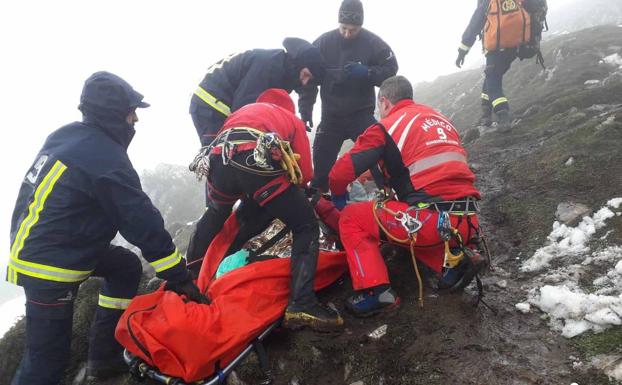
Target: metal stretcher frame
point(140, 368)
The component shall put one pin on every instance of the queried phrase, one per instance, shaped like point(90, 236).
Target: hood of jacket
point(106, 102)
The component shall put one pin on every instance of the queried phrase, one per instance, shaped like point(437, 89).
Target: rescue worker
point(427, 168)
point(80, 191)
point(501, 49)
point(357, 61)
point(238, 79)
point(250, 160)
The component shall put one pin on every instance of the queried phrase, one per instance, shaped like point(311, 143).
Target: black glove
point(307, 117)
point(461, 55)
point(189, 289)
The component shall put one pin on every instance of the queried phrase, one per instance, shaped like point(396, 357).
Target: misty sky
point(163, 49)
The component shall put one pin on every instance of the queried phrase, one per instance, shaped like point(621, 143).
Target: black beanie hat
point(305, 55)
point(351, 12)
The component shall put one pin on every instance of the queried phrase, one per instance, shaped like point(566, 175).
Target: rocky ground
point(564, 147)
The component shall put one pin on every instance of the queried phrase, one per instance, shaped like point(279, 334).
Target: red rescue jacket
point(268, 117)
point(429, 148)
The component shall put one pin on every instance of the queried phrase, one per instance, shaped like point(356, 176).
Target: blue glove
point(339, 201)
point(356, 70)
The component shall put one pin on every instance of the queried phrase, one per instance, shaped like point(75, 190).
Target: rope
point(412, 239)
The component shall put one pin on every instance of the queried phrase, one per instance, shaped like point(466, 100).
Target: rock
point(233, 379)
point(346, 371)
point(294, 381)
point(471, 135)
point(358, 383)
point(281, 365)
point(502, 283)
point(569, 162)
point(571, 213)
point(317, 354)
point(531, 111)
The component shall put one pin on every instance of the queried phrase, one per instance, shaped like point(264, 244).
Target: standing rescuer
point(357, 61)
point(261, 156)
point(435, 210)
point(238, 79)
point(81, 190)
point(509, 29)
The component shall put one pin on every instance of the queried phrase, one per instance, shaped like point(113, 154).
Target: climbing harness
point(267, 148)
point(459, 256)
point(412, 225)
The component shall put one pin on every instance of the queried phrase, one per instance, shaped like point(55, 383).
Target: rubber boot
point(486, 119)
point(504, 120)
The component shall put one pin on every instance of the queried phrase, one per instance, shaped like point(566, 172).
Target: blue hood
point(106, 101)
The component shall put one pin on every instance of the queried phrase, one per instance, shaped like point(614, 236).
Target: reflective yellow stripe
point(113, 303)
point(498, 101)
point(11, 275)
point(435, 160)
point(49, 273)
point(41, 194)
point(32, 269)
point(485, 97)
point(464, 47)
point(212, 101)
point(166, 262)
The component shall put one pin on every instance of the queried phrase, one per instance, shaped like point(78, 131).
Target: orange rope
point(412, 240)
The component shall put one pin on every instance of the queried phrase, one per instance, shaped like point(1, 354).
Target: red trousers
point(360, 235)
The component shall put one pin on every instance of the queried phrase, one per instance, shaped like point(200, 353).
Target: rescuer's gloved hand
point(356, 70)
point(461, 55)
point(187, 288)
point(307, 117)
point(339, 201)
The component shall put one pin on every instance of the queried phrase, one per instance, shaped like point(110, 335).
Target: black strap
point(254, 255)
point(133, 336)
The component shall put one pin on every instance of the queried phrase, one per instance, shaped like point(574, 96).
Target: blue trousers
point(49, 316)
point(497, 64)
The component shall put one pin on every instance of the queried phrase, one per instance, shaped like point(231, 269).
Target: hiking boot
point(504, 121)
point(317, 317)
point(486, 119)
point(460, 276)
point(373, 301)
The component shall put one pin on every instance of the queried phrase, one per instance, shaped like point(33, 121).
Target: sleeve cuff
point(464, 47)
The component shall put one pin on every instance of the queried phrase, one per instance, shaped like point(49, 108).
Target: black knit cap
point(351, 12)
point(305, 55)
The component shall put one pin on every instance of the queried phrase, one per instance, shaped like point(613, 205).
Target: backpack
point(508, 25)
point(537, 10)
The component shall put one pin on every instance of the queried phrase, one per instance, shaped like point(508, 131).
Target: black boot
point(317, 317)
point(504, 120)
point(486, 118)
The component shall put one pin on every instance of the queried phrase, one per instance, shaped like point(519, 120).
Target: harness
point(268, 149)
point(410, 220)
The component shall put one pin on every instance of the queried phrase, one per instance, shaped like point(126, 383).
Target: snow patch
point(615, 203)
point(567, 241)
point(614, 59)
point(10, 312)
point(574, 312)
point(523, 307)
point(591, 82)
point(569, 162)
